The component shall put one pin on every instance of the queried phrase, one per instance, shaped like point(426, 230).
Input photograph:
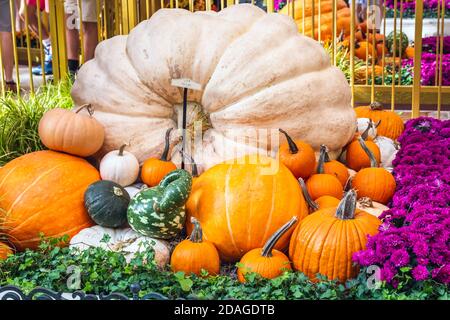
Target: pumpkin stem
point(197, 233)
point(166, 146)
point(365, 202)
point(194, 168)
point(347, 206)
point(341, 36)
point(373, 161)
point(293, 149)
point(306, 195)
point(365, 133)
point(376, 105)
point(377, 124)
point(121, 149)
point(322, 159)
point(86, 106)
point(267, 249)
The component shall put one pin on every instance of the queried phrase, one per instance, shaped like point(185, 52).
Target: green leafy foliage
point(20, 115)
point(104, 272)
point(405, 75)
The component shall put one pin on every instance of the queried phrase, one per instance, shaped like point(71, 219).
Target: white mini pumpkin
point(388, 150)
point(119, 166)
point(125, 241)
point(362, 124)
point(256, 72)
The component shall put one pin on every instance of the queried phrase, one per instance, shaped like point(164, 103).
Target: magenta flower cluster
point(415, 234)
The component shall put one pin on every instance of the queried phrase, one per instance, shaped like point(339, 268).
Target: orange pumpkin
point(241, 202)
point(409, 52)
point(376, 183)
point(325, 241)
point(71, 132)
point(269, 263)
point(334, 167)
point(357, 158)
point(364, 49)
point(298, 156)
point(321, 183)
point(327, 202)
point(391, 125)
point(42, 192)
point(154, 170)
point(195, 254)
point(5, 251)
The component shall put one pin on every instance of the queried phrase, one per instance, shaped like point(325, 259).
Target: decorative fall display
point(234, 67)
point(195, 254)
point(5, 251)
point(72, 132)
point(391, 125)
point(374, 208)
point(298, 156)
point(333, 167)
point(324, 242)
point(268, 262)
point(120, 166)
point(154, 170)
point(258, 190)
point(357, 158)
point(107, 203)
point(321, 183)
point(376, 183)
point(125, 241)
point(388, 149)
point(158, 212)
point(42, 192)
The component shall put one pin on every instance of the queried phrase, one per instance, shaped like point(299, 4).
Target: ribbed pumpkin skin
point(375, 183)
point(192, 257)
point(267, 267)
point(5, 250)
point(322, 184)
point(43, 192)
point(337, 169)
point(107, 203)
point(327, 202)
point(324, 244)
point(357, 158)
point(391, 125)
point(240, 207)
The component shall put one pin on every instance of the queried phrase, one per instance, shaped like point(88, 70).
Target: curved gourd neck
point(267, 249)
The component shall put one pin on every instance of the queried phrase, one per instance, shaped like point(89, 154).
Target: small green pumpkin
point(159, 212)
point(107, 203)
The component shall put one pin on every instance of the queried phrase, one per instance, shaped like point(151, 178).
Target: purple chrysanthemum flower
point(420, 272)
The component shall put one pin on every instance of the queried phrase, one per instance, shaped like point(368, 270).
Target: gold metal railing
point(322, 19)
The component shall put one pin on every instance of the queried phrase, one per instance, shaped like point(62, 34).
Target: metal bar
point(27, 35)
point(383, 59)
point(374, 32)
point(438, 32)
point(99, 20)
point(334, 30)
point(417, 60)
point(2, 70)
point(312, 19)
point(367, 42)
point(303, 17)
point(81, 31)
point(400, 42)
point(13, 35)
point(191, 5)
point(208, 5)
point(319, 13)
point(270, 6)
point(394, 46)
point(41, 49)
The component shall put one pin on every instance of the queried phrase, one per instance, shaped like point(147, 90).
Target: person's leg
point(6, 42)
point(90, 29)
point(72, 35)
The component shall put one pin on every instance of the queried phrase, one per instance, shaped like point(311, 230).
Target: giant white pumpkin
point(256, 73)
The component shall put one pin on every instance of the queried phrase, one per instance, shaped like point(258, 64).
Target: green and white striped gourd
point(159, 212)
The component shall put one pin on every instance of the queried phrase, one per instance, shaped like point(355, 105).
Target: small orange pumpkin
point(268, 262)
point(365, 49)
point(298, 156)
point(5, 251)
point(391, 125)
point(195, 254)
point(357, 158)
point(325, 241)
point(409, 52)
point(154, 170)
point(375, 183)
point(321, 183)
point(327, 202)
point(71, 132)
point(334, 167)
